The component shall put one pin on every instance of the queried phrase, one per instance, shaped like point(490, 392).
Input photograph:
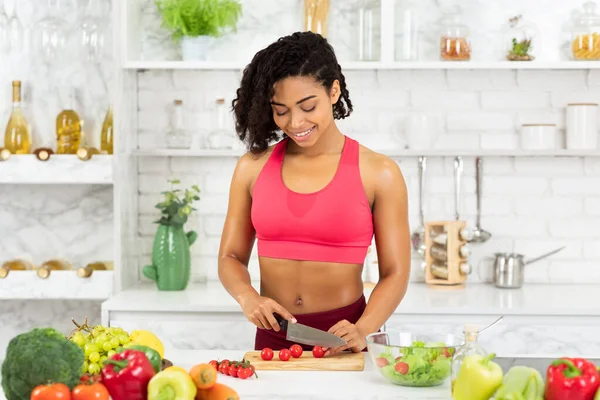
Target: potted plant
point(171, 259)
point(196, 23)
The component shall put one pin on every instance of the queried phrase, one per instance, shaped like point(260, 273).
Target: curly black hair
point(299, 54)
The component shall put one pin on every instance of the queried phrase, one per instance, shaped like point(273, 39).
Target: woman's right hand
point(259, 310)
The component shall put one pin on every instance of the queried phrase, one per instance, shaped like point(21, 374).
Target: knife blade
point(310, 336)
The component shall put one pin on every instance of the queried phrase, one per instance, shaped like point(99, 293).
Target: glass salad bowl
point(413, 359)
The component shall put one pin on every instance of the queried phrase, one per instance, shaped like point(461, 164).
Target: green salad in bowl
point(409, 359)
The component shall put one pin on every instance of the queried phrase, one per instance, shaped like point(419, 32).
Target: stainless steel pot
point(509, 268)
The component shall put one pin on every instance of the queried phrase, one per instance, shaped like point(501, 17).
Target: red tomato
point(266, 354)
point(401, 368)
point(225, 361)
point(446, 353)
point(296, 350)
point(95, 391)
point(214, 364)
point(244, 373)
point(224, 369)
point(318, 352)
point(284, 354)
point(232, 371)
point(53, 391)
point(381, 362)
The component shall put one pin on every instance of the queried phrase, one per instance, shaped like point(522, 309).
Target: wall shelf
point(369, 65)
point(59, 169)
point(207, 153)
point(24, 285)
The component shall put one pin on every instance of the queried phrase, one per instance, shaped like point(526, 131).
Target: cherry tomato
point(214, 364)
point(381, 362)
point(266, 354)
point(224, 369)
point(318, 352)
point(401, 368)
point(244, 372)
point(232, 370)
point(53, 391)
point(95, 391)
point(446, 353)
point(284, 354)
point(296, 350)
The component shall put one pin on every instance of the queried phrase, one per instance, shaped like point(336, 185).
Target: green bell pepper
point(478, 378)
point(150, 353)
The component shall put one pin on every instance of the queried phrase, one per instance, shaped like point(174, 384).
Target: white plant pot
point(196, 48)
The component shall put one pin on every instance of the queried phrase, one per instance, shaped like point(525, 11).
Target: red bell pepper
point(571, 379)
point(126, 375)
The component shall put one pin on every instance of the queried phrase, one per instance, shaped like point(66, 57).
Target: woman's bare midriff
point(304, 287)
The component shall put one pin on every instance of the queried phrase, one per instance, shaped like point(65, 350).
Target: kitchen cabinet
point(536, 320)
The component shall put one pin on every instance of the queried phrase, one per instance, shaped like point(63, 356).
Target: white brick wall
point(530, 205)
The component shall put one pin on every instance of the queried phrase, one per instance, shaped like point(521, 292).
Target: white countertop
point(302, 385)
point(475, 299)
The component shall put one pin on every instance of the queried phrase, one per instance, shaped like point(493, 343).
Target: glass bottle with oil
point(15, 265)
point(106, 136)
point(53, 265)
point(88, 270)
point(68, 127)
point(17, 137)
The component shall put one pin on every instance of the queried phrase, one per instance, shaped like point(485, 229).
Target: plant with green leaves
point(171, 259)
point(175, 209)
point(199, 17)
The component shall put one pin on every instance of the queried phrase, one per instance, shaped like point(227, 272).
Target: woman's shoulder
point(250, 164)
point(379, 167)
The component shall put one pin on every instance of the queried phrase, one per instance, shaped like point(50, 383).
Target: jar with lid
point(522, 40)
point(455, 43)
point(585, 36)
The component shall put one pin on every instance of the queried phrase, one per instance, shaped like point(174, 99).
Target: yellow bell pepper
point(478, 378)
point(171, 385)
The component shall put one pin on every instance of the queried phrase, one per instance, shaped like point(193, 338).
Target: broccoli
point(40, 356)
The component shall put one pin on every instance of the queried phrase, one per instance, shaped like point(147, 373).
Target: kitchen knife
point(306, 335)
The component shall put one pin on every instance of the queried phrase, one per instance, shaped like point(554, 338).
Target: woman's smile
point(303, 135)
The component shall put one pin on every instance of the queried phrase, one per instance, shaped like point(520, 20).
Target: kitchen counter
point(332, 385)
point(475, 299)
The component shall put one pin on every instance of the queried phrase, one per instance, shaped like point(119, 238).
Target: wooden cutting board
point(306, 362)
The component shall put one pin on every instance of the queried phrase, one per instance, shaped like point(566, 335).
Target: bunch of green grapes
point(99, 345)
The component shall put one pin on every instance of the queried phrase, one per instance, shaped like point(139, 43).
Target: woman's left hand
point(355, 340)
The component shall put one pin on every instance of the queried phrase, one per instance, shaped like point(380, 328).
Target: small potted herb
point(195, 24)
point(171, 259)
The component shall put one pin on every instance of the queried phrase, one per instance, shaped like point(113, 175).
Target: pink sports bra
point(334, 224)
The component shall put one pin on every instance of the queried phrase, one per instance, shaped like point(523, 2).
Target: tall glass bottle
point(177, 137)
point(17, 138)
point(221, 137)
point(471, 346)
point(106, 137)
point(68, 128)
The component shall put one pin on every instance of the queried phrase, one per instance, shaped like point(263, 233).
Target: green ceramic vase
point(171, 259)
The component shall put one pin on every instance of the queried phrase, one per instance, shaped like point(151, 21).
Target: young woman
point(313, 201)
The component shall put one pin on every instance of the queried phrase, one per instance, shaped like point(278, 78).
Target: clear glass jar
point(177, 137)
point(585, 37)
point(455, 43)
point(521, 39)
point(471, 346)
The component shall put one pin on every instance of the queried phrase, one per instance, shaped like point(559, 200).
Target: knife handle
point(281, 321)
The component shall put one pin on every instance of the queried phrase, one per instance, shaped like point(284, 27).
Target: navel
point(298, 300)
